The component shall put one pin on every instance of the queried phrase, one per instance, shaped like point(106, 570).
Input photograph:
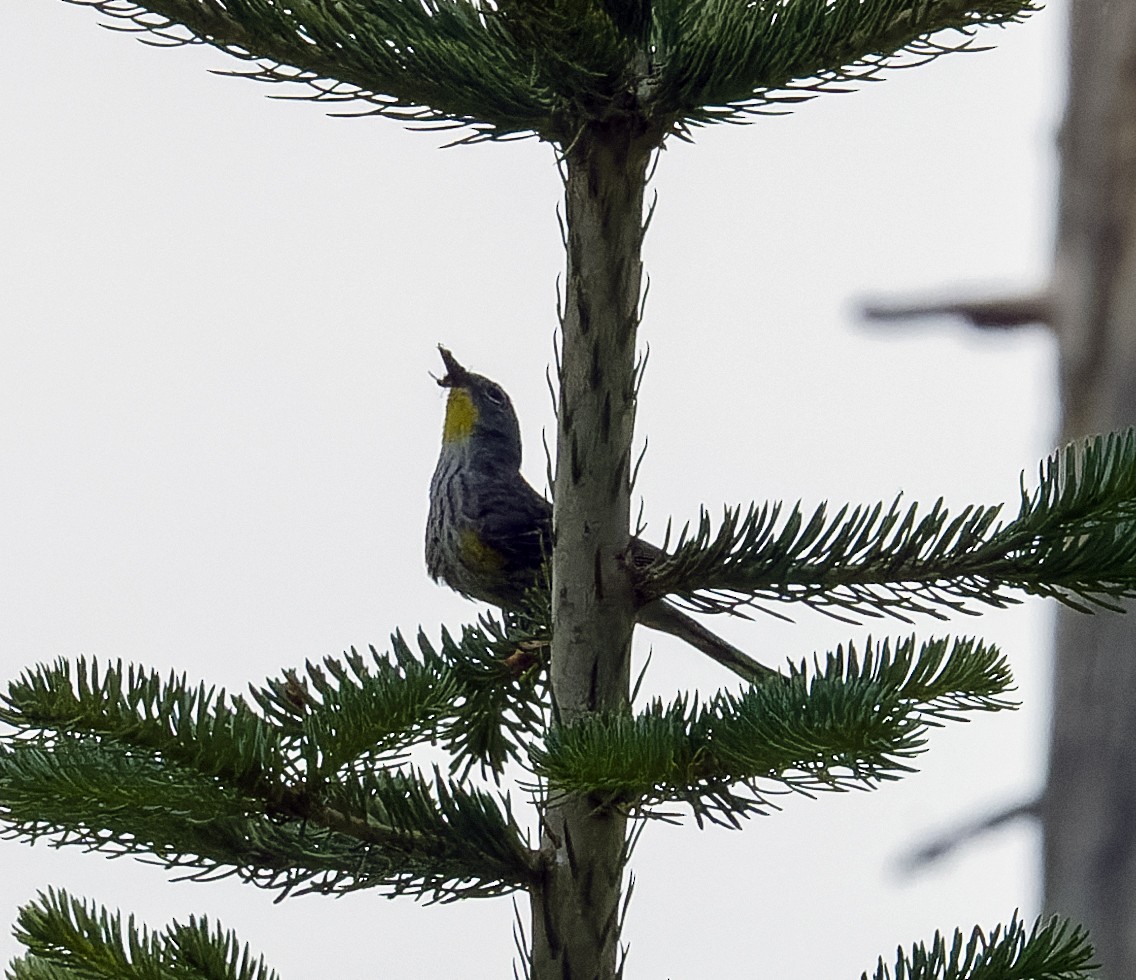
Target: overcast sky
point(217, 429)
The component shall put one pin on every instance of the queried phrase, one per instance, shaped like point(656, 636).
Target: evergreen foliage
point(848, 725)
point(114, 759)
point(307, 786)
point(1051, 950)
point(505, 68)
point(68, 939)
point(1073, 540)
point(310, 783)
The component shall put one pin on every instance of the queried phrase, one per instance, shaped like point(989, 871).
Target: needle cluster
point(507, 68)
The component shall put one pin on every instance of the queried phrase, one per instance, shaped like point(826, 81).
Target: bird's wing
point(516, 522)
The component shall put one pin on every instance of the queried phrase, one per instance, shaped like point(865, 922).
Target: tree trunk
point(577, 907)
point(1089, 810)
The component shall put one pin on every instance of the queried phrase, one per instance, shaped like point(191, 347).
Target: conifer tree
point(296, 788)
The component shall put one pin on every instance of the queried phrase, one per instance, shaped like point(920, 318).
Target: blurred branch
point(990, 313)
point(963, 835)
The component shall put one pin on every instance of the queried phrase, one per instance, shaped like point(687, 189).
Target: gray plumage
point(489, 534)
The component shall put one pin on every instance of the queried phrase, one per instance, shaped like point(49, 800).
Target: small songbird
point(489, 533)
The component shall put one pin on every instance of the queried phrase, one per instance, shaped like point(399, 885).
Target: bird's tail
point(661, 615)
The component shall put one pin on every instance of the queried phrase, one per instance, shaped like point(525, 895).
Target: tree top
point(550, 68)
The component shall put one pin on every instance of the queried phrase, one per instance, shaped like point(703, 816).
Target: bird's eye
point(495, 394)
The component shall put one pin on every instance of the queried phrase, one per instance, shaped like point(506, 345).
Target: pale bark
point(576, 909)
point(1089, 807)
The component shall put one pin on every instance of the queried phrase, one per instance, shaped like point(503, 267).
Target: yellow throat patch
point(461, 416)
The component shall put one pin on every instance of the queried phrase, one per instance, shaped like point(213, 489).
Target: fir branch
point(109, 798)
point(69, 938)
point(386, 830)
point(719, 61)
point(481, 695)
point(552, 67)
point(851, 724)
point(348, 711)
point(501, 671)
point(203, 729)
point(1074, 539)
point(631, 18)
point(116, 759)
point(435, 62)
point(1053, 950)
point(214, 952)
point(584, 52)
point(453, 842)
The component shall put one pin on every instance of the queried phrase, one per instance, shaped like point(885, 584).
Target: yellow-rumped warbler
point(489, 533)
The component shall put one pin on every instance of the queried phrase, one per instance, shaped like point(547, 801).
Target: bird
point(489, 533)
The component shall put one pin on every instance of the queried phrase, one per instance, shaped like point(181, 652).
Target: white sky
point(217, 430)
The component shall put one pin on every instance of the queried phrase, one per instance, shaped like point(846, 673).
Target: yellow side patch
point(475, 553)
point(461, 416)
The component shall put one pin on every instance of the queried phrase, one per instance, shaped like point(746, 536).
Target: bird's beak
point(455, 374)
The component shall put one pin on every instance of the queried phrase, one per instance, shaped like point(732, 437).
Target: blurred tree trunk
point(1089, 808)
